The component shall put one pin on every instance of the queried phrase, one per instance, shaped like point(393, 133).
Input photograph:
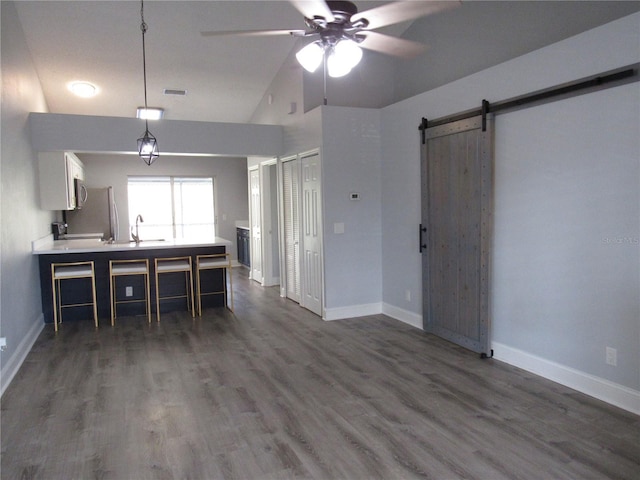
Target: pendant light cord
point(143, 27)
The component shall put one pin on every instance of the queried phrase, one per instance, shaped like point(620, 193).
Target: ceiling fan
point(339, 31)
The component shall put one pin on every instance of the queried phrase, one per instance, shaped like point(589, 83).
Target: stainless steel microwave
point(81, 193)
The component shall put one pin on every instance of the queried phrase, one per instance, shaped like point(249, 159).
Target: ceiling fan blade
point(253, 33)
point(397, 12)
point(313, 8)
point(398, 47)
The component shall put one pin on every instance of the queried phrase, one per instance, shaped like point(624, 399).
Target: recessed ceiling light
point(150, 113)
point(83, 89)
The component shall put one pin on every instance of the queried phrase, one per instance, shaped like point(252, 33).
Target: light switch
point(338, 228)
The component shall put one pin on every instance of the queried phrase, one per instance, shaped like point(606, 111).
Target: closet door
point(290, 190)
point(312, 234)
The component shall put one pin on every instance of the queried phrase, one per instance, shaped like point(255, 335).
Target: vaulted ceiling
point(226, 77)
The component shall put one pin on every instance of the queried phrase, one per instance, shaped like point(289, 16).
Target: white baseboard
point(10, 368)
point(405, 316)
point(271, 282)
point(610, 392)
point(352, 311)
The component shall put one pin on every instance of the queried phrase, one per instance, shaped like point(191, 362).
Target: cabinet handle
point(420, 241)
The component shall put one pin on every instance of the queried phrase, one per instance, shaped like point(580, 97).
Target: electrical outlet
point(128, 291)
point(611, 356)
point(3, 343)
point(407, 295)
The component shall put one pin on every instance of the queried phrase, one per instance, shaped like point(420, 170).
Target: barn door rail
point(593, 83)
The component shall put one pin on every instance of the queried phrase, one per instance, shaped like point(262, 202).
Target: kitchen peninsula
point(50, 251)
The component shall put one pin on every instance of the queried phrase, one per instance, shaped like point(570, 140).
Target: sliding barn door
point(457, 190)
point(291, 221)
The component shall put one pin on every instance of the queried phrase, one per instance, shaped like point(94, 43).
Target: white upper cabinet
point(58, 173)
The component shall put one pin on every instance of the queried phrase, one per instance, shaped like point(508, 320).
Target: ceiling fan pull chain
point(324, 75)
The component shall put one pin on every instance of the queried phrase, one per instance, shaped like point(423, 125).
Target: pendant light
point(147, 144)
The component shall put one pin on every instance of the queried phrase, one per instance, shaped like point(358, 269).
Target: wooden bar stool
point(122, 268)
point(173, 265)
point(212, 262)
point(69, 271)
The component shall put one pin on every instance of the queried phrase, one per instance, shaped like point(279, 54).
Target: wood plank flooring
point(273, 392)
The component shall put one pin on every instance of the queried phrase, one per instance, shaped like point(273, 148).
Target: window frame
point(172, 181)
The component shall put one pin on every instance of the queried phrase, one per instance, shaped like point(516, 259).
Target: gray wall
point(351, 163)
point(230, 183)
point(22, 220)
point(566, 255)
point(567, 237)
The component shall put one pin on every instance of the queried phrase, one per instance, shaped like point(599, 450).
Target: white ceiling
point(226, 77)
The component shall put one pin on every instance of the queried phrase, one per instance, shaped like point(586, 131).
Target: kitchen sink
point(128, 242)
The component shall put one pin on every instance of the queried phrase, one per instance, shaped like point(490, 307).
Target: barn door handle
point(422, 244)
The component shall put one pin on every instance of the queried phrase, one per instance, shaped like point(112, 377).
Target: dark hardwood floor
point(273, 392)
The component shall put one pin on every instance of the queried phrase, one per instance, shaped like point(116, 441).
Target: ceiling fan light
point(343, 57)
point(336, 68)
point(349, 52)
point(310, 56)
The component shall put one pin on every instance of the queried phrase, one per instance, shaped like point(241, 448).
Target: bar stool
point(173, 265)
point(121, 268)
point(212, 262)
point(68, 271)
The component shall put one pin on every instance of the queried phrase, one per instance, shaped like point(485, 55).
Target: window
point(172, 207)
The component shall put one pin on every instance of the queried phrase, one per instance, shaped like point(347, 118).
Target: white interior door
point(291, 230)
point(255, 223)
point(312, 234)
point(269, 217)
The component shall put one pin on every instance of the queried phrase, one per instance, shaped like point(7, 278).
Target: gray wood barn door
point(457, 193)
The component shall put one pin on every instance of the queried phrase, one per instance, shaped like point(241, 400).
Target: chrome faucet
point(136, 236)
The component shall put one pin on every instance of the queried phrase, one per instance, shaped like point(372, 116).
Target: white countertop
point(47, 245)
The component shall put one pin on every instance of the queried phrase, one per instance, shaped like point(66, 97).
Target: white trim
point(610, 392)
point(352, 311)
point(405, 316)
point(271, 161)
point(16, 360)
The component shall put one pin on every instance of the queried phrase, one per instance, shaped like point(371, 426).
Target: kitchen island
point(50, 251)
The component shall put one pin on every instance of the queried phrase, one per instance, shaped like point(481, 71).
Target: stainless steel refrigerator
point(99, 214)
